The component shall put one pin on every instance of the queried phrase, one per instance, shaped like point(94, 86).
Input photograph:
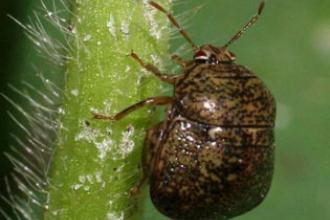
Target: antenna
point(251, 22)
point(174, 22)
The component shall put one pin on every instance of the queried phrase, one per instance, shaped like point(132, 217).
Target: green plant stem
point(96, 162)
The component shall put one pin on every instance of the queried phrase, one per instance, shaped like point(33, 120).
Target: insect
point(212, 157)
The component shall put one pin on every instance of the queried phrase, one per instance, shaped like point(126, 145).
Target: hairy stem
point(96, 162)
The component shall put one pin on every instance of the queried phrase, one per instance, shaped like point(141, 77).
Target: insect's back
point(225, 94)
point(215, 158)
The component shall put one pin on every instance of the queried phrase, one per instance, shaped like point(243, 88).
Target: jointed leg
point(136, 189)
point(150, 149)
point(176, 58)
point(164, 77)
point(160, 100)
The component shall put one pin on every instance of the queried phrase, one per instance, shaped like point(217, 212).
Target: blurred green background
point(289, 48)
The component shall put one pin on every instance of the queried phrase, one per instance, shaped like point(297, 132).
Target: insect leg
point(160, 100)
point(136, 189)
point(164, 77)
point(176, 58)
point(175, 23)
point(148, 155)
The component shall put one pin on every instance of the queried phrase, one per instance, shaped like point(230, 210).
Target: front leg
point(176, 58)
point(164, 77)
point(160, 100)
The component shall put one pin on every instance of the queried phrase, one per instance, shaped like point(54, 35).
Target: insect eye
point(201, 56)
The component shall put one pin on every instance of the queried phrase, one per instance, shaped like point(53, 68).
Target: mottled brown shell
point(224, 94)
point(212, 158)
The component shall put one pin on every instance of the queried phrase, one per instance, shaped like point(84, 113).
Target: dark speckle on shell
point(225, 94)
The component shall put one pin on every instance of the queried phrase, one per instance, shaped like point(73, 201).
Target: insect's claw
point(134, 191)
point(131, 53)
point(95, 115)
point(102, 117)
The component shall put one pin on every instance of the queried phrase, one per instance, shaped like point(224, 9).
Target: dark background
point(19, 62)
point(14, 62)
